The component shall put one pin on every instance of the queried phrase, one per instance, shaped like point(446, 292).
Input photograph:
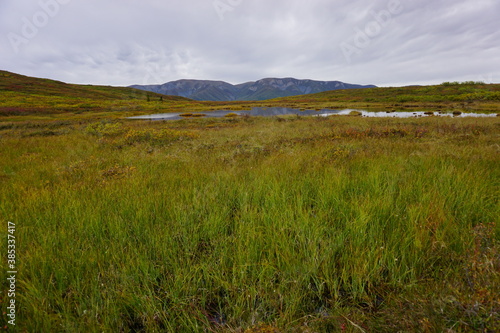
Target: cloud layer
point(124, 42)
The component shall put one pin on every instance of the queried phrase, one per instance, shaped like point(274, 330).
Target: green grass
point(253, 224)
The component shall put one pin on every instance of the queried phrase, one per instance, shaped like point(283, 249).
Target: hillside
point(439, 93)
point(21, 95)
point(467, 95)
point(250, 91)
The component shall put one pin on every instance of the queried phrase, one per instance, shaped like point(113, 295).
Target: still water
point(276, 111)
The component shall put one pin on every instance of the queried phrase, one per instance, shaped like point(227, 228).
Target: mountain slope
point(20, 84)
point(22, 95)
point(250, 91)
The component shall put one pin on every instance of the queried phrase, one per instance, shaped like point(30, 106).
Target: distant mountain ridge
point(205, 90)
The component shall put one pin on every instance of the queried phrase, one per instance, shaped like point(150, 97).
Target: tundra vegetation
point(243, 224)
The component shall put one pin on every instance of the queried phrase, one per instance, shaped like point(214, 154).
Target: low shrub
point(155, 137)
point(106, 129)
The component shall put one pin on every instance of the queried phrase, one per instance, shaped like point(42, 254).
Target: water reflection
point(277, 111)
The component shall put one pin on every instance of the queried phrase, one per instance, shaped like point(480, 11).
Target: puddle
point(270, 112)
point(409, 114)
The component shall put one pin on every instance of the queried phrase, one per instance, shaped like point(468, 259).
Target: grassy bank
point(253, 224)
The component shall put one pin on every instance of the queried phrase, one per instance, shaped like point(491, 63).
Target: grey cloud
point(122, 42)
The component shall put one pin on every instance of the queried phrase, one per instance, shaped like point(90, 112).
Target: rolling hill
point(22, 95)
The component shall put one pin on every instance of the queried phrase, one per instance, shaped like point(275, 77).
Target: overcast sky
point(124, 42)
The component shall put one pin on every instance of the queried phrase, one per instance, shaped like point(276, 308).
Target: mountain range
point(204, 90)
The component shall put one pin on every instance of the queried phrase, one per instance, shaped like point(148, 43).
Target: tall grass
point(305, 224)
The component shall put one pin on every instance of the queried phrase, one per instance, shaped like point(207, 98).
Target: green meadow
point(242, 224)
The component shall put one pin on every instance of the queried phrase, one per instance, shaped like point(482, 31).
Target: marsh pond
point(281, 111)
